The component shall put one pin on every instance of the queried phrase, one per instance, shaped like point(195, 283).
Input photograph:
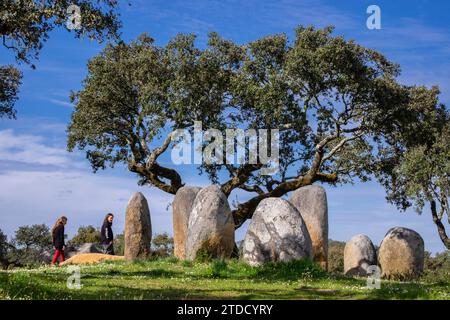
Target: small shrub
point(162, 245)
point(291, 270)
point(437, 268)
point(336, 256)
point(172, 260)
point(217, 269)
point(187, 263)
point(119, 244)
point(203, 256)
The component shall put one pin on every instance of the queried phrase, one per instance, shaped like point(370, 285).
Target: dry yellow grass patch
point(91, 258)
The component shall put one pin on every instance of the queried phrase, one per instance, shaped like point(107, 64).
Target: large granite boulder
point(182, 206)
point(138, 228)
point(211, 225)
point(277, 232)
point(311, 202)
point(359, 255)
point(401, 254)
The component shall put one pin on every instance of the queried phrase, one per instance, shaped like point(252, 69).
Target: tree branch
point(338, 147)
point(158, 151)
point(246, 209)
point(440, 226)
point(152, 171)
point(241, 176)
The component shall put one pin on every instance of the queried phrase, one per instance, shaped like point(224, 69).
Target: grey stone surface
point(277, 232)
point(138, 228)
point(84, 248)
point(359, 254)
point(89, 248)
point(311, 202)
point(211, 225)
point(182, 206)
point(401, 254)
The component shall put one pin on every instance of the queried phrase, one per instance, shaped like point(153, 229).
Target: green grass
point(173, 279)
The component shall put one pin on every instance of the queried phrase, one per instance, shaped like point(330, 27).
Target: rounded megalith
point(311, 202)
point(138, 228)
point(211, 225)
point(182, 206)
point(277, 232)
point(359, 255)
point(401, 254)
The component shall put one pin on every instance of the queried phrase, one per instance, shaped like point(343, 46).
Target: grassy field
point(173, 279)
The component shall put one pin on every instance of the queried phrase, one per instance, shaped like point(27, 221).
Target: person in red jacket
point(58, 239)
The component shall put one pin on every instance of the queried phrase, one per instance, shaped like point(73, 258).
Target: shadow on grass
point(161, 282)
point(155, 273)
point(44, 286)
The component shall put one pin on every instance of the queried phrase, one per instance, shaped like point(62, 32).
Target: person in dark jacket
point(106, 235)
point(58, 239)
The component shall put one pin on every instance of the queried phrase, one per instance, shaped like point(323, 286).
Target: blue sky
point(39, 180)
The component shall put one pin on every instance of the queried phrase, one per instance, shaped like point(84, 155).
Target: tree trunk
point(440, 226)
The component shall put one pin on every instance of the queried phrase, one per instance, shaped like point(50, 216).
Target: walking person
point(107, 236)
point(58, 239)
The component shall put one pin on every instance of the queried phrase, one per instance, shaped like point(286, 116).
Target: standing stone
point(211, 225)
point(138, 228)
point(359, 254)
point(182, 206)
point(311, 202)
point(277, 232)
point(401, 254)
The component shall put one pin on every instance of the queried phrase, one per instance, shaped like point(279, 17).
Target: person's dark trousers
point(108, 248)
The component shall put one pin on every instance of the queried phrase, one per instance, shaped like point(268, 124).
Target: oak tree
point(338, 106)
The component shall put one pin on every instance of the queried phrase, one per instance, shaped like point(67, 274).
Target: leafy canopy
point(341, 112)
point(25, 26)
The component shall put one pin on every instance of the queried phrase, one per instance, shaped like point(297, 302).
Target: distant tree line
point(31, 246)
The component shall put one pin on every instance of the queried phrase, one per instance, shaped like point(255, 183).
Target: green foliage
point(295, 269)
point(119, 244)
point(336, 256)
point(4, 245)
point(88, 234)
point(187, 263)
point(298, 269)
point(162, 245)
point(419, 163)
point(217, 269)
point(36, 236)
point(10, 79)
point(341, 112)
point(437, 268)
point(232, 279)
point(31, 245)
point(25, 26)
point(203, 255)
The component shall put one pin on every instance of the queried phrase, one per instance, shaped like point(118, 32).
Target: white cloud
point(52, 183)
point(27, 148)
point(61, 103)
point(28, 197)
